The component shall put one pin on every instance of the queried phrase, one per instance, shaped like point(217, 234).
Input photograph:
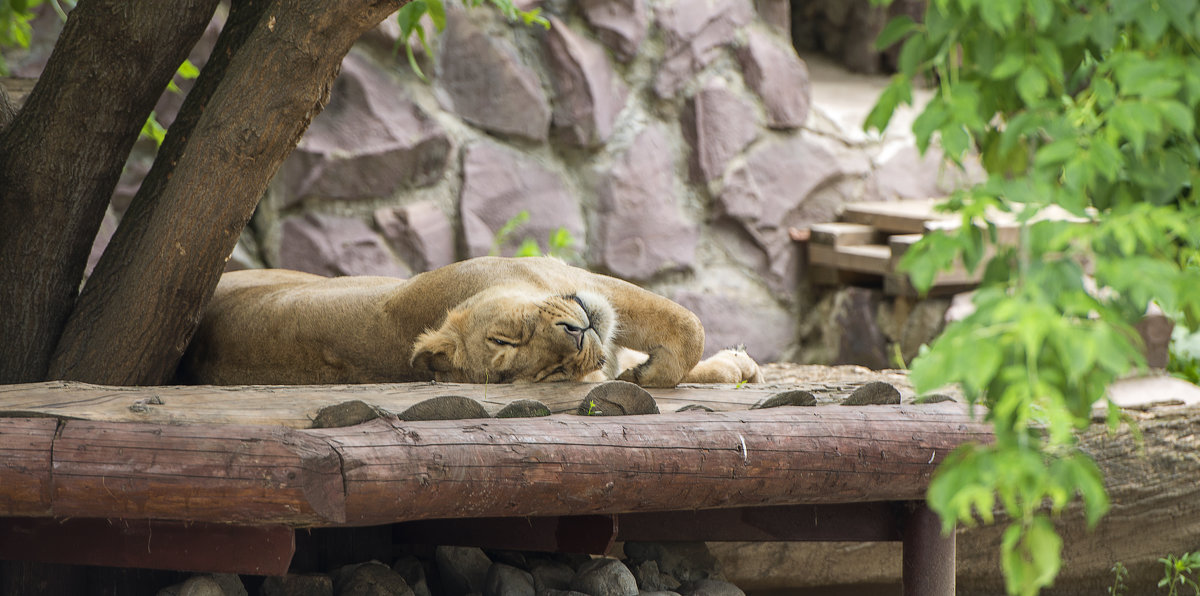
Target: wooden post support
point(928, 559)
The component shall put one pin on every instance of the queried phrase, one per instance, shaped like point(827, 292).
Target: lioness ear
point(436, 350)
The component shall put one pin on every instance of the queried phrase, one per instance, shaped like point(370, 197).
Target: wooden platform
point(866, 245)
point(241, 465)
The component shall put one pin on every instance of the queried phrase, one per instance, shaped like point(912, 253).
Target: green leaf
point(896, 29)
point(187, 70)
point(529, 248)
point(1153, 21)
point(437, 13)
point(1031, 86)
point(897, 92)
point(912, 54)
point(1177, 116)
point(1055, 153)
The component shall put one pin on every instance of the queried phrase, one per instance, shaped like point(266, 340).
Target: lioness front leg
point(731, 365)
point(670, 335)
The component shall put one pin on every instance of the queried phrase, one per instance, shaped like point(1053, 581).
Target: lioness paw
point(731, 365)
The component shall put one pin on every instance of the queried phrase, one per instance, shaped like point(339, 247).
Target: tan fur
point(484, 320)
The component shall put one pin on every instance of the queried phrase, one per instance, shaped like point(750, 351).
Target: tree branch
point(61, 156)
point(141, 306)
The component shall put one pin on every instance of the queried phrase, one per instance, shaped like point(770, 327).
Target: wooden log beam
point(387, 470)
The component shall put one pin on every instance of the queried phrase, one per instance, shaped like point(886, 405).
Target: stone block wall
point(676, 141)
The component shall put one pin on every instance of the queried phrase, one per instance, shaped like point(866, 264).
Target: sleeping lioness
point(485, 320)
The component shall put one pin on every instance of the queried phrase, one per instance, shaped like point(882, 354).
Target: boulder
point(588, 94)
point(463, 569)
point(498, 184)
point(604, 577)
point(685, 561)
point(331, 246)
point(370, 579)
point(485, 83)
point(369, 142)
point(640, 231)
point(297, 585)
point(506, 580)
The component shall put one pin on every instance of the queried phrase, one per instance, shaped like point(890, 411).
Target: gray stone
point(486, 84)
point(779, 77)
point(297, 585)
point(694, 31)
point(462, 569)
point(604, 577)
point(695, 408)
point(347, 413)
point(710, 587)
point(562, 593)
point(217, 584)
point(640, 230)
point(685, 561)
point(551, 575)
point(370, 141)
point(620, 24)
point(923, 324)
point(413, 571)
point(420, 234)
point(651, 579)
point(658, 593)
point(370, 579)
point(765, 329)
point(497, 185)
point(506, 580)
point(875, 393)
point(770, 192)
point(588, 94)
point(718, 124)
point(332, 246)
point(617, 398)
point(855, 331)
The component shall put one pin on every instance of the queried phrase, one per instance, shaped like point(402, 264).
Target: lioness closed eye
point(483, 320)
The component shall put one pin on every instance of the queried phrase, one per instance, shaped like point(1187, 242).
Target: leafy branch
point(1087, 107)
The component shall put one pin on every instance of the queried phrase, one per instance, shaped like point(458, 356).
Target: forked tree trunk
point(62, 154)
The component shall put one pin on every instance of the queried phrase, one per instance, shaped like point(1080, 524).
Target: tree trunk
point(7, 110)
point(61, 156)
point(143, 302)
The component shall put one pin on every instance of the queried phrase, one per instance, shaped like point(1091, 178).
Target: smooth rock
point(604, 577)
point(498, 184)
point(551, 575)
point(620, 24)
point(651, 579)
point(695, 408)
point(462, 569)
point(774, 71)
point(413, 571)
point(639, 229)
point(420, 233)
point(486, 84)
point(348, 413)
point(718, 124)
point(332, 246)
point(297, 585)
point(506, 580)
point(694, 31)
point(217, 584)
point(875, 393)
point(370, 579)
point(369, 142)
point(588, 94)
point(685, 561)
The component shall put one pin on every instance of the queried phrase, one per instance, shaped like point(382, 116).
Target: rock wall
point(675, 141)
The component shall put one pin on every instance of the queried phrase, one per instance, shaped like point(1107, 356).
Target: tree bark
point(61, 156)
point(144, 300)
point(7, 110)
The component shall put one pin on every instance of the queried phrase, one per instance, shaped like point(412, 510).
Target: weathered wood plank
point(875, 259)
point(895, 217)
point(25, 466)
point(296, 406)
point(216, 473)
point(579, 465)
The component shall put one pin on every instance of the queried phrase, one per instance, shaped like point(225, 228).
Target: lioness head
point(507, 335)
